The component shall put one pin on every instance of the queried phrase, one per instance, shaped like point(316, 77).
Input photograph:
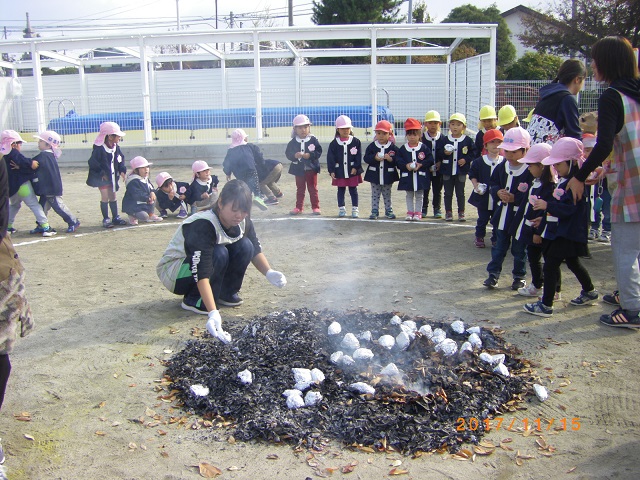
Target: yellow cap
point(530, 116)
point(432, 116)
point(506, 115)
point(459, 117)
point(487, 112)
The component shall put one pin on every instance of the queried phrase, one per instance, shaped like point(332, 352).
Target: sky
point(82, 18)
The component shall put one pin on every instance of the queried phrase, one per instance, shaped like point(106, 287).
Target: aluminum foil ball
point(475, 330)
point(458, 326)
point(395, 320)
point(295, 401)
point(466, 347)
point(498, 358)
point(302, 385)
point(486, 357)
point(301, 375)
point(317, 375)
point(411, 325)
point(447, 347)
point(403, 340)
point(199, 390)
point(409, 331)
point(312, 398)
point(362, 354)
point(334, 329)
point(426, 331)
point(502, 370)
point(291, 391)
point(336, 357)
point(438, 335)
point(365, 336)
point(541, 392)
point(350, 342)
point(362, 388)
point(474, 340)
point(387, 341)
point(347, 360)
point(390, 370)
point(246, 377)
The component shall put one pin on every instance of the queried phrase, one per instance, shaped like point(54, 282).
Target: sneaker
point(605, 237)
point(354, 212)
point(518, 283)
point(232, 301)
point(182, 214)
point(11, 230)
point(316, 211)
point(118, 221)
point(106, 223)
point(461, 217)
point(260, 203)
point(529, 291)
point(389, 214)
point(195, 305)
point(437, 214)
point(73, 227)
point(425, 210)
point(49, 232)
point(417, 217)
point(374, 215)
point(279, 195)
point(342, 212)
point(154, 218)
point(271, 201)
point(295, 211)
point(133, 220)
point(585, 298)
point(538, 308)
point(491, 282)
point(449, 217)
point(621, 318)
point(38, 229)
point(479, 242)
point(612, 298)
point(593, 234)
point(409, 217)
point(163, 213)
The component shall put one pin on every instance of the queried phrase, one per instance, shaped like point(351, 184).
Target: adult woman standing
point(614, 62)
point(209, 254)
point(556, 113)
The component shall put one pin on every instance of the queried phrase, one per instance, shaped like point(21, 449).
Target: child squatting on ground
point(20, 172)
point(48, 182)
point(171, 195)
point(569, 221)
point(380, 157)
point(304, 151)
point(434, 139)
point(243, 160)
point(344, 163)
point(139, 198)
point(203, 191)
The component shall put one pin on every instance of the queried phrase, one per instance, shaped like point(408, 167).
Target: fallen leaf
point(396, 463)
point(233, 468)
point(28, 437)
point(164, 453)
point(22, 416)
point(477, 449)
point(102, 404)
point(398, 471)
point(209, 471)
point(572, 469)
point(349, 468)
point(101, 433)
point(167, 352)
point(132, 446)
point(272, 456)
point(115, 424)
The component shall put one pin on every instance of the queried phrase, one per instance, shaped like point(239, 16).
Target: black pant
point(5, 371)
point(534, 253)
point(454, 183)
point(353, 193)
point(551, 272)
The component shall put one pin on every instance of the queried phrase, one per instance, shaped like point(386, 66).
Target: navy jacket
point(267, 168)
point(344, 156)
point(196, 189)
point(414, 180)
point(182, 188)
point(437, 148)
point(555, 115)
point(242, 161)
point(516, 181)
point(47, 181)
point(564, 218)
point(381, 173)
point(521, 227)
point(105, 167)
point(19, 170)
point(308, 145)
point(137, 195)
point(464, 148)
point(481, 169)
point(479, 142)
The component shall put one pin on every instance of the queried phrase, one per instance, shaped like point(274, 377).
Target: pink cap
point(588, 140)
point(50, 137)
point(536, 153)
point(199, 166)
point(7, 137)
point(108, 128)
point(238, 137)
point(300, 120)
point(516, 138)
point(161, 178)
point(566, 148)
point(137, 162)
point(343, 122)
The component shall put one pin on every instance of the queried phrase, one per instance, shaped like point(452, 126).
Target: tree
point(468, 13)
point(561, 32)
point(344, 12)
point(534, 66)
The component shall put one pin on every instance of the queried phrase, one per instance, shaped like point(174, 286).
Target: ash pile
point(362, 378)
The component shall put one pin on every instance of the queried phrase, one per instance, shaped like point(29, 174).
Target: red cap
point(412, 124)
point(383, 126)
point(492, 134)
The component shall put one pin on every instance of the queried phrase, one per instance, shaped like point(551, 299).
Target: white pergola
point(139, 48)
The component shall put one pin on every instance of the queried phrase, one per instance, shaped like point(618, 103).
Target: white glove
point(276, 278)
point(214, 327)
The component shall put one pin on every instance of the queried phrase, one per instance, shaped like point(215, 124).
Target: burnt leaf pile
point(455, 387)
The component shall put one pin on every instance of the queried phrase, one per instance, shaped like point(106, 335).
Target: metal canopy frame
point(139, 49)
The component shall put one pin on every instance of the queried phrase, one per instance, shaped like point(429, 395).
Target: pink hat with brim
point(565, 149)
point(7, 137)
point(343, 122)
point(53, 139)
point(536, 153)
point(238, 137)
point(300, 120)
point(161, 178)
point(139, 162)
point(199, 166)
point(515, 139)
point(108, 128)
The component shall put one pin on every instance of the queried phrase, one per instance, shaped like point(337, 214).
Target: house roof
point(524, 11)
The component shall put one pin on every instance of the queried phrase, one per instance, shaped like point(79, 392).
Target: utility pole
point(291, 13)
point(179, 46)
point(409, 21)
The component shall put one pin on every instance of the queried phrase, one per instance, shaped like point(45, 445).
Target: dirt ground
point(92, 368)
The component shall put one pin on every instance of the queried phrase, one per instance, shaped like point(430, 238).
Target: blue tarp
point(219, 118)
